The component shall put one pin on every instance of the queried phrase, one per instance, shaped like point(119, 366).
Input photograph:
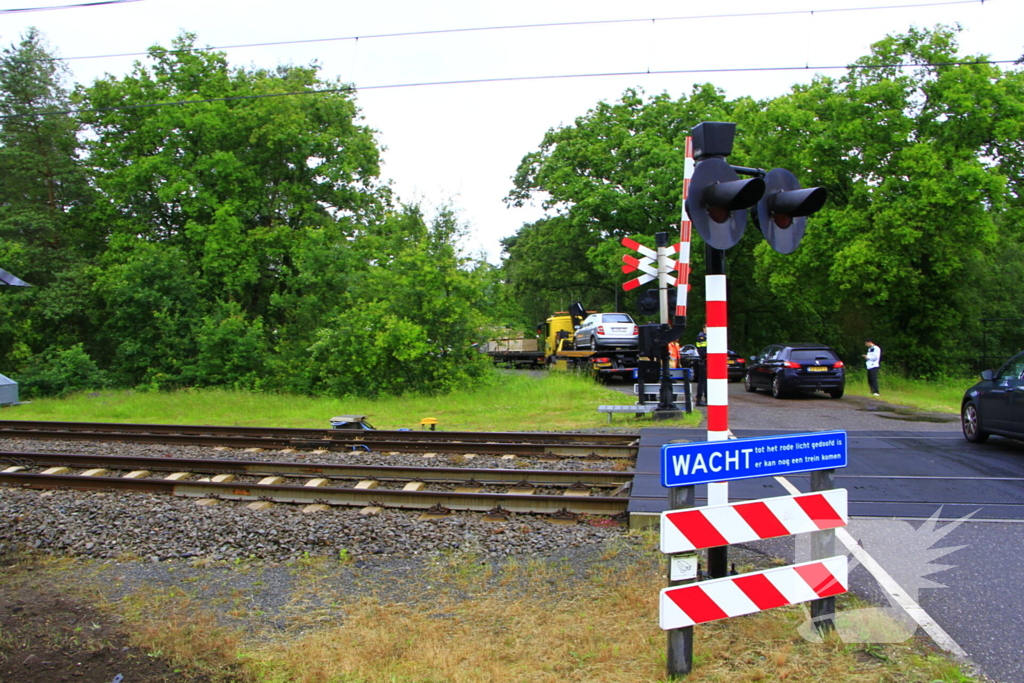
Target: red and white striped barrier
point(710, 527)
point(685, 230)
point(734, 596)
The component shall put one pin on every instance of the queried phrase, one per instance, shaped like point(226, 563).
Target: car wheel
point(971, 424)
point(777, 390)
point(593, 343)
point(836, 393)
point(747, 385)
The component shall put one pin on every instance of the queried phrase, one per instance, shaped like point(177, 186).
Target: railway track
point(527, 444)
point(438, 490)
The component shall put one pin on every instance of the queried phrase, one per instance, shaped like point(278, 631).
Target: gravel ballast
point(109, 525)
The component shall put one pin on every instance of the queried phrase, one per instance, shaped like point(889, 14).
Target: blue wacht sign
point(704, 462)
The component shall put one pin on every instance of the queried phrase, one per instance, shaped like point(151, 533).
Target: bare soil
point(49, 634)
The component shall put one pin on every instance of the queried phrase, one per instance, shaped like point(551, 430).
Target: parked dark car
point(737, 366)
point(787, 368)
point(995, 405)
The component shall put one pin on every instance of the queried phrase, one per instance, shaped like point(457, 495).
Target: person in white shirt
point(874, 357)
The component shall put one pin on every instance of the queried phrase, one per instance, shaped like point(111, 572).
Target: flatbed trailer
point(518, 358)
point(603, 363)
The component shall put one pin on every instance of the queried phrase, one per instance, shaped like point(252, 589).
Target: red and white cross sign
point(710, 527)
point(733, 596)
point(656, 265)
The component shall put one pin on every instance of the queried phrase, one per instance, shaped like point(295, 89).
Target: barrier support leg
point(823, 544)
point(680, 640)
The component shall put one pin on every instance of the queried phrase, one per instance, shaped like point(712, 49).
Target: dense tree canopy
point(219, 226)
point(919, 240)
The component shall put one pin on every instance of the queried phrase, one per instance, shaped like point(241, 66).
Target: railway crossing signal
point(718, 201)
point(650, 302)
point(783, 210)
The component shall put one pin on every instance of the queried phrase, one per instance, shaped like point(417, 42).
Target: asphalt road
point(964, 566)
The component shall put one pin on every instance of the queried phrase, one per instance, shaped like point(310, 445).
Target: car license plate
point(732, 362)
point(817, 368)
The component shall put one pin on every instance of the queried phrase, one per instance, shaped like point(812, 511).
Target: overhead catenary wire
point(511, 27)
point(507, 79)
point(77, 5)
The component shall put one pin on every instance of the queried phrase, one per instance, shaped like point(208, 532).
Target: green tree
point(238, 185)
point(43, 188)
point(915, 159)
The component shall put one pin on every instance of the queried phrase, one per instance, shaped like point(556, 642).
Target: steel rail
point(296, 432)
point(596, 479)
point(413, 500)
point(335, 440)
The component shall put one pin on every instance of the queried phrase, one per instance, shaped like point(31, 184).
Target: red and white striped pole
point(685, 228)
point(717, 356)
point(717, 383)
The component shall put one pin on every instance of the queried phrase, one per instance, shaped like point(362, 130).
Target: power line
point(516, 27)
point(509, 79)
point(21, 10)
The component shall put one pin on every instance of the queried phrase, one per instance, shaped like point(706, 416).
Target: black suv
point(785, 368)
point(993, 405)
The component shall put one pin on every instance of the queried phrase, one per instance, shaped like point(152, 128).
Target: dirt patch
point(50, 634)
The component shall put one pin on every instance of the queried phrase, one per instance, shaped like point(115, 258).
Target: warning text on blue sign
point(687, 464)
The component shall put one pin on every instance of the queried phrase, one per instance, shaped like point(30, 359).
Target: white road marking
point(909, 605)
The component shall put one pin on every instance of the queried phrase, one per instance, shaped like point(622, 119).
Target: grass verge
point(934, 396)
point(526, 620)
point(510, 401)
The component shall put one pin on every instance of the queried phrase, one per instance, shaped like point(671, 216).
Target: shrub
point(59, 372)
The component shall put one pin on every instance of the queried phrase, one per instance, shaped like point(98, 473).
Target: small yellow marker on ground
point(428, 422)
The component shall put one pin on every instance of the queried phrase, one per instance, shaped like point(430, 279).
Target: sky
point(449, 141)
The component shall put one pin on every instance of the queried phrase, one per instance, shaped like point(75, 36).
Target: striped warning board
point(734, 596)
point(741, 522)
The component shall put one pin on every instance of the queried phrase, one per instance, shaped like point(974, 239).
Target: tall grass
point(528, 620)
point(939, 396)
point(509, 401)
